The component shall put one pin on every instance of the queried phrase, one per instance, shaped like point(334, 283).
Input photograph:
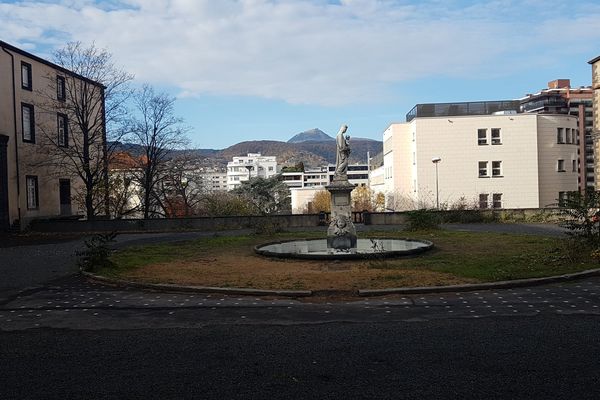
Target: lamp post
point(436, 161)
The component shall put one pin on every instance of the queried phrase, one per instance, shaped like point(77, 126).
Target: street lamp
point(436, 161)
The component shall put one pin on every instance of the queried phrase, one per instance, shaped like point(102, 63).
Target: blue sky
point(268, 69)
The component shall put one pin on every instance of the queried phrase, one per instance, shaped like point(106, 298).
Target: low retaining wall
point(529, 215)
point(177, 224)
point(274, 222)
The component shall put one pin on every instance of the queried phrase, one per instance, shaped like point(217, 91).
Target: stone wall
point(277, 222)
point(266, 223)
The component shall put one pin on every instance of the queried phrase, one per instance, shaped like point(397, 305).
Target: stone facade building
point(32, 95)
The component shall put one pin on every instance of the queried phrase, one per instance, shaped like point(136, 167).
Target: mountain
point(311, 135)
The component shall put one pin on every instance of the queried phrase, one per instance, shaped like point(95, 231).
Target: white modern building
point(304, 185)
point(251, 166)
point(358, 174)
point(502, 160)
point(213, 180)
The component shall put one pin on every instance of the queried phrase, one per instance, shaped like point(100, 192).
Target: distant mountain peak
point(315, 135)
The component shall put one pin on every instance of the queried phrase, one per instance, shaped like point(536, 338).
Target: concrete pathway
point(75, 303)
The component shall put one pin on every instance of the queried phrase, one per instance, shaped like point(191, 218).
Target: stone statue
point(343, 152)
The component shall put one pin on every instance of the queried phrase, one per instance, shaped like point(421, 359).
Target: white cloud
point(312, 51)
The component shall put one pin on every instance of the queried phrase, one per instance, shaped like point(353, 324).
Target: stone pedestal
point(341, 234)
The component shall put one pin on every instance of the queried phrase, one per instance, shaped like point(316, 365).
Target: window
point(574, 162)
point(270, 168)
point(560, 166)
point(497, 200)
point(560, 135)
point(496, 136)
point(496, 168)
point(28, 123)
point(25, 75)
point(61, 93)
point(32, 192)
point(483, 169)
point(481, 137)
point(569, 138)
point(63, 130)
point(483, 200)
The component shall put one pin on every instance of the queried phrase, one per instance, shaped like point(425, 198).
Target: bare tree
point(181, 188)
point(87, 98)
point(158, 132)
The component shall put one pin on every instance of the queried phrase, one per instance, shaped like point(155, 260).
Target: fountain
point(341, 242)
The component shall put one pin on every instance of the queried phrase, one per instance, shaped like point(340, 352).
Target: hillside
point(311, 153)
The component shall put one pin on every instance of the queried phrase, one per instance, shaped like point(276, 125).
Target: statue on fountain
point(342, 153)
point(341, 234)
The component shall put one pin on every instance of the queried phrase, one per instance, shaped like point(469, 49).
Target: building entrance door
point(4, 217)
point(65, 196)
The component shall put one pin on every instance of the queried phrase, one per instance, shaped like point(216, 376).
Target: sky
point(268, 69)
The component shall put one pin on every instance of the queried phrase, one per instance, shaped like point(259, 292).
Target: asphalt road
point(78, 340)
point(512, 358)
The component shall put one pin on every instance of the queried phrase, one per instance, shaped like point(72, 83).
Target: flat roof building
point(596, 108)
point(561, 98)
point(487, 161)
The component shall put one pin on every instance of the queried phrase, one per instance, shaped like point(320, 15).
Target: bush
point(422, 219)
point(267, 227)
point(580, 214)
point(97, 255)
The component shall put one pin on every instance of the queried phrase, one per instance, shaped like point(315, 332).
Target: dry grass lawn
point(458, 257)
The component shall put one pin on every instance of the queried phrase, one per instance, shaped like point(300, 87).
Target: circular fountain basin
point(316, 249)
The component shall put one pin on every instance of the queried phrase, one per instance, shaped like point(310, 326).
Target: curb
point(481, 286)
point(202, 289)
point(361, 292)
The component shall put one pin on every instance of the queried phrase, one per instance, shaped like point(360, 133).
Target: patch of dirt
point(247, 270)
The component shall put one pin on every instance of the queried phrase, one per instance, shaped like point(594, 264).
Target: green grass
point(495, 256)
point(485, 257)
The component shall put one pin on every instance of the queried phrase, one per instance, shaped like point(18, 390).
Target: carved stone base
point(341, 234)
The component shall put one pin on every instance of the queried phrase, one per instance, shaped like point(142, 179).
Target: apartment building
point(561, 98)
point(596, 109)
point(213, 180)
point(358, 174)
point(251, 166)
point(33, 94)
point(304, 185)
point(498, 160)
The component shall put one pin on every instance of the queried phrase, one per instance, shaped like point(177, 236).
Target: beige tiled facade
point(32, 191)
point(516, 161)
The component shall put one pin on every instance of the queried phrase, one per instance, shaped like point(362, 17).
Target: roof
point(592, 61)
point(48, 63)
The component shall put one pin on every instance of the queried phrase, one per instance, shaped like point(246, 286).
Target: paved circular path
point(78, 304)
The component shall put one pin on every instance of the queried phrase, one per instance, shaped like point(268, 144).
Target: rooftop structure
point(464, 108)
